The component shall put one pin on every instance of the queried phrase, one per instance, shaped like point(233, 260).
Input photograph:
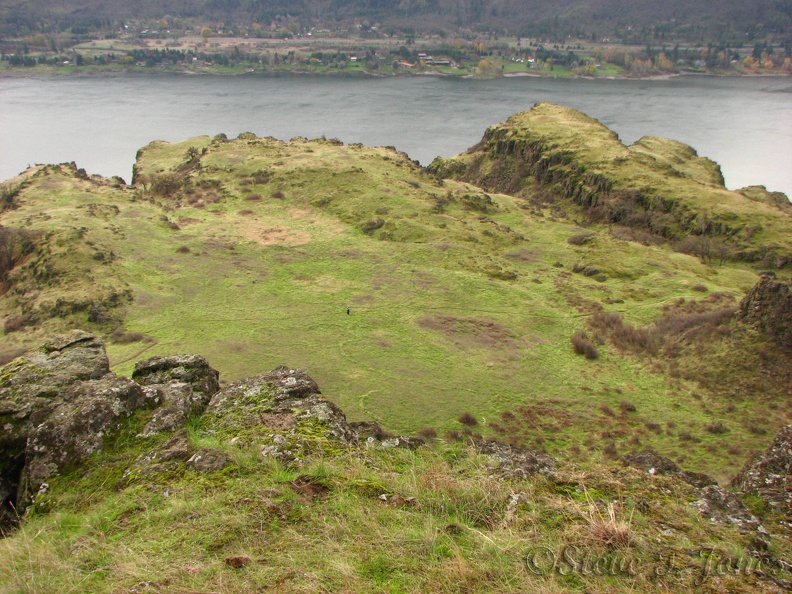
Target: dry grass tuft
point(610, 528)
point(608, 525)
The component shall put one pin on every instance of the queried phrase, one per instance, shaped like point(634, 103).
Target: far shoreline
point(94, 72)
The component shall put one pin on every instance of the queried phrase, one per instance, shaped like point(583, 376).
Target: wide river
point(745, 124)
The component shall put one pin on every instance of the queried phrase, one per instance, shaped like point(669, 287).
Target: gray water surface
point(743, 124)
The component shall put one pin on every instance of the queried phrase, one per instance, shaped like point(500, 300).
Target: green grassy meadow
point(460, 301)
point(433, 307)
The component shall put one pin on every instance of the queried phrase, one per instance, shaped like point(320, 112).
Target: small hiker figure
point(347, 311)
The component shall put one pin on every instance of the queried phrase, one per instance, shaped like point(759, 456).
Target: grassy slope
point(432, 520)
point(435, 329)
point(669, 174)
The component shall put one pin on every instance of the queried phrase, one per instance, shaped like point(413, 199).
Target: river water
point(745, 124)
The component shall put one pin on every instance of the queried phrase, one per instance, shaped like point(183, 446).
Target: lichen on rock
point(58, 403)
point(769, 474)
point(180, 385)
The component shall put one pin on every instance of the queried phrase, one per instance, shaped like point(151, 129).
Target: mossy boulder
point(283, 400)
point(173, 457)
point(180, 384)
point(58, 403)
point(86, 414)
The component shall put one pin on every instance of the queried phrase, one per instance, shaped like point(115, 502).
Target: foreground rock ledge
point(59, 403)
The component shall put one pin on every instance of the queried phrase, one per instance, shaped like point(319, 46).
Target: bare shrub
point(372, 225)
point(583, 346)
point(624, 335)
point(13, 324)
point(699, 288)
point(166, 184)
point(468, 419)
point(192, 153)
point(183, 249)
point(15, 244)
point(688, 436)
point(708, 249)
point(756, 429)
point(694, 324)
point(653, 427)
point(427, 433)
point(253, 197)
point(585, 270)
point(626, 407)
point(278, 194)
point(610, 451)
point(261, 177)
point(717, 428)
point(121, 337)
point(496, 427)
point(606, 410)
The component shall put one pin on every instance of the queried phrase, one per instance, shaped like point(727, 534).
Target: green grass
point(433, 520)
point(461, 306)
point(435, 326)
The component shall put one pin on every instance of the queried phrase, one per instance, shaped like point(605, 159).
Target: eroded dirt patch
point(472, 332)
point(265, 233)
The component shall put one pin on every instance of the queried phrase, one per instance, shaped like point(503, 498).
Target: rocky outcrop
point(58, 403)
point(555, 155)
point(514, 462)
point(715, 503)
point(180, 385)
point(768, 306)
point(175, 455)
point(188, 369)
point(769, 475)
point(656, 464)
point(279, 401)
point(88, 411)
point(724, 507)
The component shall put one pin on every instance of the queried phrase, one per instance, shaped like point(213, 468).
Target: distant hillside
point(721, 20)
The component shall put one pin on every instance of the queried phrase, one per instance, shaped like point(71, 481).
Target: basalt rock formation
point(181, 385)
point(60, 403)
point(769, 474)
point(768, 306)
point(557, 155)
